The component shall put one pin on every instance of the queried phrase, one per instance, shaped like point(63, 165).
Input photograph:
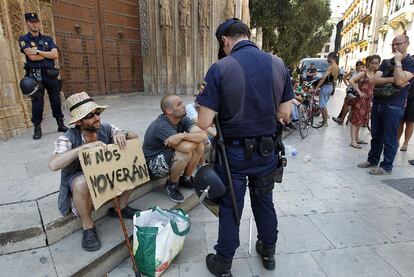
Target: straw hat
point(80, 104)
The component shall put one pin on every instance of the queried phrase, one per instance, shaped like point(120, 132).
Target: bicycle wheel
point(303, 121)
point(317, 119)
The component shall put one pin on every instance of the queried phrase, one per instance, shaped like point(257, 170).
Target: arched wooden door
point(100, 46)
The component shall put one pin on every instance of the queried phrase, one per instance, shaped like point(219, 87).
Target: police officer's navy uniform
point(245, 89)
point(42, 43)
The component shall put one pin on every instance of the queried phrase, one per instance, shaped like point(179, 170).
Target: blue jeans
point(262, 204)
point(385, 120)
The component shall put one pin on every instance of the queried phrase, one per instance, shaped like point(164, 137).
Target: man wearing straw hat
point(88, 132)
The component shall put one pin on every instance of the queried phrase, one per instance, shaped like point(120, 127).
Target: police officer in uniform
point(41, 52)
point(250, 91)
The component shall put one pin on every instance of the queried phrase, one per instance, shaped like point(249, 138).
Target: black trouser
point(52, 87)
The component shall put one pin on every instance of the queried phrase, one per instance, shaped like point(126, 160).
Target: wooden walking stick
point(124, 230)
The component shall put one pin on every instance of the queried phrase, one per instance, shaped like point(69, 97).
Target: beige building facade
point(113, 46)
point(370, 26)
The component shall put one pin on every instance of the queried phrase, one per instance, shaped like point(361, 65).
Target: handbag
point(350, 98)
point(386, 91)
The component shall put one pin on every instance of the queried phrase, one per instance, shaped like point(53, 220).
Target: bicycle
point(309, 111)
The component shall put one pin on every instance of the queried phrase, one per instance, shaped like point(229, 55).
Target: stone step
point(38, 223)
point(67, 257)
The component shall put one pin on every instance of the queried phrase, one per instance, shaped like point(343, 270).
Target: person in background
point(326, 85)
point(361, 106)
point(345, 107)
point(407, 121)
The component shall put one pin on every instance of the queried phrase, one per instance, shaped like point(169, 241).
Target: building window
point(327, 48)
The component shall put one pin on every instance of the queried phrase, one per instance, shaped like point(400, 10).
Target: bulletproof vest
point(75, 137)
point(250, 94)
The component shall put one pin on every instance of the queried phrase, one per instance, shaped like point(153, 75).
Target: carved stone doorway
point(100, 46)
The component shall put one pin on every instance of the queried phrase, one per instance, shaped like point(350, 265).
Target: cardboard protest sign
point(109, 173)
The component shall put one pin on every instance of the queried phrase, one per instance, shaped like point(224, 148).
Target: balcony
point(402, 16)
point(382, 24)
point(365, 18)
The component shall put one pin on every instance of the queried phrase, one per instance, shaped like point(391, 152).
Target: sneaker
point(216, 267)
point(411, 162)
point(126, 212)
point(186, 181)
point(174, 193)
point(90, 240)
point(366, 164)
point(379, 171)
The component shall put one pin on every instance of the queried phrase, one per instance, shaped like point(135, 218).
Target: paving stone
point(20, 227)
point(299, 203)
point(195, 246)
point(298, 265)
point(346, 229)
point(299, 234)
point(359, 261)
point(36, 262)
point(399, 255)
point(395, 223)
point(37, 167)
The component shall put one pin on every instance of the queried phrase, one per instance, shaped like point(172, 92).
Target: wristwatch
point(125, 132)
point(398, 64)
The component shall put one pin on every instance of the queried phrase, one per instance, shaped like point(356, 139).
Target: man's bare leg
point(179, 164)
point(198, 152)
point(82, 200)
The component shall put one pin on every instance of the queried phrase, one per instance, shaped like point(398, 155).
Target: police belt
point(265, 145)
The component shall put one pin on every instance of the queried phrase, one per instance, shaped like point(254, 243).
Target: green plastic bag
point(158, 238)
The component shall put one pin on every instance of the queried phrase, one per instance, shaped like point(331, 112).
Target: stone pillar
point(178, 41)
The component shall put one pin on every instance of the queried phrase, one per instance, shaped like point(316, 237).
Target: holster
point(262, 185)
point(250, 147)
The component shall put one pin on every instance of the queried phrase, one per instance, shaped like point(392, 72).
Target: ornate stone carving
point(2, 22)
point(203, 14)
point(165, 15)
point(184, 7)
point(229, 9)
point(143, 10)
point(16, 19)
point(31, 6)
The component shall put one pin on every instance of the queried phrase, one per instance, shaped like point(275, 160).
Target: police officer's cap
point(221, 29)
point(31, 17)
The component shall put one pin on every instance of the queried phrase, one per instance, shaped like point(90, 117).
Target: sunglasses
point(92, 115)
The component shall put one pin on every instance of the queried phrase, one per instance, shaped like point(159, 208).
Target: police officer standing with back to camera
point(250, 91)
point(41, 53)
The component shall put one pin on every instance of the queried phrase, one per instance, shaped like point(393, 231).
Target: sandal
point(362, 142)
point(355, 146)
point(90, 240)
point(404, 147)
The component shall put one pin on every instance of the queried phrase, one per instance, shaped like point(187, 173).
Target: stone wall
point(178, 42)
point(14, 108)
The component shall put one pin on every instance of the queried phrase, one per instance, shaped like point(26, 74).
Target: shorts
point(74, 211)
point(325, 94)
point(409, 111)
point(160, 165)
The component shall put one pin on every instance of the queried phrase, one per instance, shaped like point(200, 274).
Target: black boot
point(217, 267)
point(37, 131)
point(61, 125)
point(267, 254)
